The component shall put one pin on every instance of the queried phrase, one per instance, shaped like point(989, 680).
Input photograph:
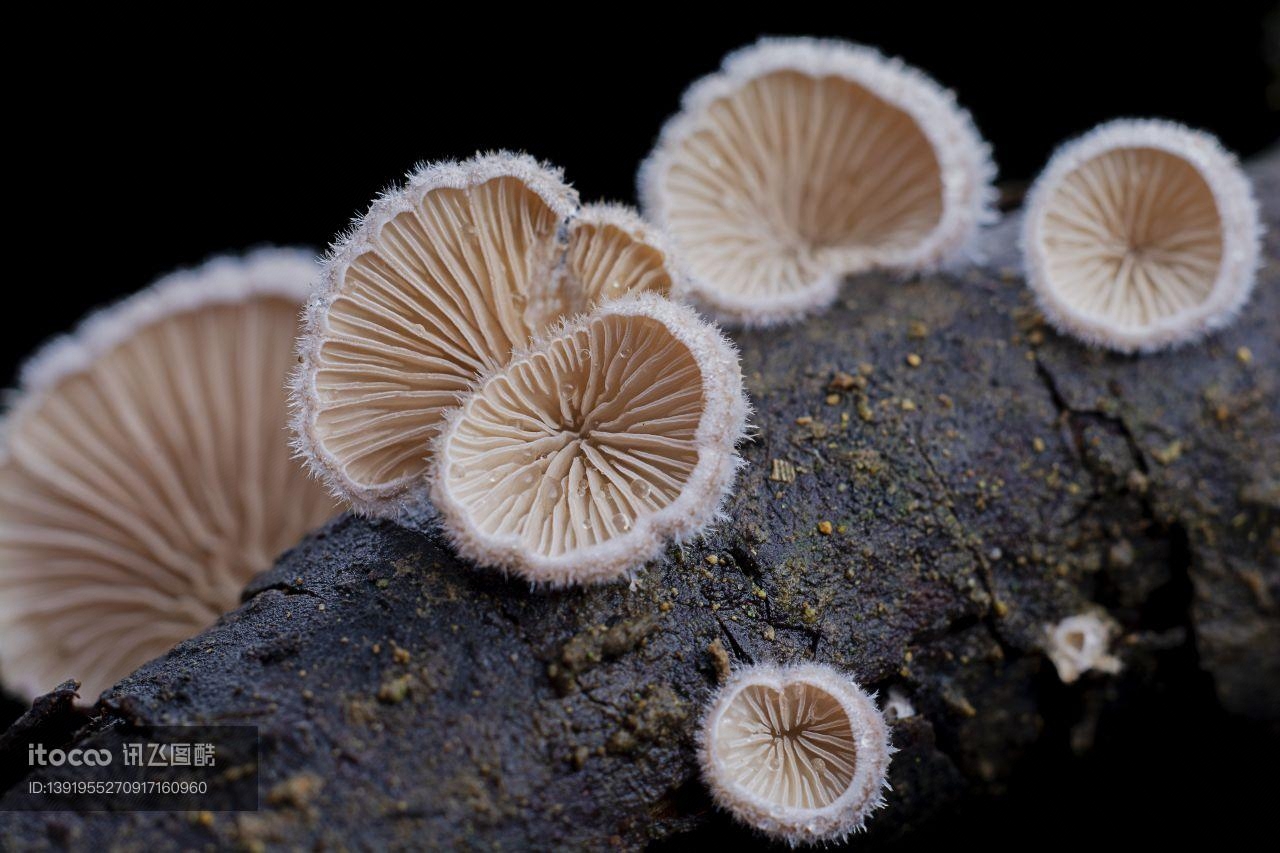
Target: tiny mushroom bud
point(1141, 235)
point(577, 462)
point(145, 472)
point(802, 161)
point(799, 753)
point(1079, 644)
point(897, 706)
point(440, 282)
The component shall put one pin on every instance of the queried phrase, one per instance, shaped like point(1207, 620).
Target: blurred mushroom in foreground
point(1141, 235)
point(146, 474)
point(803, 161)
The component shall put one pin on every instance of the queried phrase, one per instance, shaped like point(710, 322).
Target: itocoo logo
point(37, 755)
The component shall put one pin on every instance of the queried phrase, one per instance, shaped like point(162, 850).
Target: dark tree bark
point(1011, 479)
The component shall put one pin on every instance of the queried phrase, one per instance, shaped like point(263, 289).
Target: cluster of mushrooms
point(534, 375)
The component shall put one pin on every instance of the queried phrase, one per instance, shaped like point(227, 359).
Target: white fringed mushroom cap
point(1141, 235)
point(146, 474)
point(437, 285)
point(760, 189)
point(596, 446)
point(802, 790)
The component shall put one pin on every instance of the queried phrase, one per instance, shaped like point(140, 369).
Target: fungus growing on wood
point(799, 753)
point(1141, 235)
point(439, 283)
point(897, 706)
point(146, 474)
point(1079, 644)
point(594, 447)
point(803, 161)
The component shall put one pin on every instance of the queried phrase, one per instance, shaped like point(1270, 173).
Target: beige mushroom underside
point(139, 492)
point(440, 284)
point(578, 461)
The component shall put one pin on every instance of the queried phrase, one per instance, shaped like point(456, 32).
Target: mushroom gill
point(438, 285)
point(1141, 235)
point(804, 161)
point(146, 472)
point(439, 282)
point(799, 753)
point(612, 252)
point(578, 461)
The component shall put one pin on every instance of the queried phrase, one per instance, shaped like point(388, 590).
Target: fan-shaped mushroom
point(1141, 235)
point(803, 161)
point(799, 753)
point(146, 473)
point(442, 280)
point(578, 461)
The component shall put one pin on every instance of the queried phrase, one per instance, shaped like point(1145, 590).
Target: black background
point(159, 152)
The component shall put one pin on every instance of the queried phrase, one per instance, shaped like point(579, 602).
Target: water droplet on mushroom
point(494, 477)
point(641, 488)
point(586, 523)
point(819, 765)
point(581, 489)
point(621, 523)
point(552, 491)
point(623, 352)
point(457, 471)
point(584, 354)
point(527, 479)
point(775, 763)
point(567, 389)
point(616, 285)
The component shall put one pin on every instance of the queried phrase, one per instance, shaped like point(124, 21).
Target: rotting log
point(1009, 479)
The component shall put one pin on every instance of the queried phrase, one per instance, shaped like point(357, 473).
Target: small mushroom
point(581, 459)
point(1078, 644)
point(799, 753)
point(803, 161)
point(612, 252)
point(440, 282)
point(146, 474)
point(1141, 235)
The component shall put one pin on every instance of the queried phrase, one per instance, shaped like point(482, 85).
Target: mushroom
point(799, 753)
point(579, 460)
point(1141, 235)
point(1079, 644)
point(440, 282)
point(146, 474)
point(612, 252)
point(803, 161)
point(897, 706)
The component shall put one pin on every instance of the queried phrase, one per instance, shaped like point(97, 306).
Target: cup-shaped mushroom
point(803, 161)
point(1141, 235)
point(799, 753)
point(585, 456)
point(439, 283)
point(146, 472)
